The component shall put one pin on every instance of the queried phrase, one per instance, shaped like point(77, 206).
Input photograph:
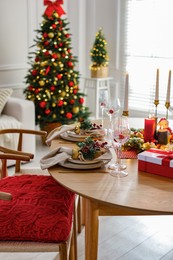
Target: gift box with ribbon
point(157, 162)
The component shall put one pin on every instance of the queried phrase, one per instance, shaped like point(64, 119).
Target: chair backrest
point(21, 133)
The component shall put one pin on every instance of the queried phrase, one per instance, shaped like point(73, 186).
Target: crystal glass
point(103, 102)
point(112, 108)
point(120, 134)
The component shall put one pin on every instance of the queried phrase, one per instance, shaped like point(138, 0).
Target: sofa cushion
point(41, 209)
point(5, 93)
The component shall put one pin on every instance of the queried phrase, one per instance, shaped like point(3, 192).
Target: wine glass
point(103, 104)
point(120, 134)
point(112, 108)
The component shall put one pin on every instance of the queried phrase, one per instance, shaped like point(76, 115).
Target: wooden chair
point(20, 170)
point(67, 248)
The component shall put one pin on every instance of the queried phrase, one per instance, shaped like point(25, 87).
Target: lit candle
point(162, 136)
point(157, 85)
point(168, 88)
point(149, 129)
point(126, 96)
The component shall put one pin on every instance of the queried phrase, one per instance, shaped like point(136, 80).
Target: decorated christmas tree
point(98, 53)
point(52, 81)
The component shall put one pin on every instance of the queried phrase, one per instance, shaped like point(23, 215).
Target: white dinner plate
point(76, 166)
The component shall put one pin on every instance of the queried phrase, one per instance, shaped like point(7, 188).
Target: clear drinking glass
point(112, 109)
point(120, 134)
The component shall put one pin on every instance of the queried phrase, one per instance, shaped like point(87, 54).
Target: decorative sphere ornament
point(41, 83)
point(51, 35)
point(75, 110)
point(63, 93)
point(62, 112)
point(54, 116)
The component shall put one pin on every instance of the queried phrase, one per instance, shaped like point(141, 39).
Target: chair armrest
point(5, 196)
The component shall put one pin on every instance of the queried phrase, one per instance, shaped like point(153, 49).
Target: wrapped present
point(157, 162)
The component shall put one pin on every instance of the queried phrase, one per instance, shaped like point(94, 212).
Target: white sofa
point(18, 113)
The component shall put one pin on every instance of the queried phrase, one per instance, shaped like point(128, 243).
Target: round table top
point(138, 190)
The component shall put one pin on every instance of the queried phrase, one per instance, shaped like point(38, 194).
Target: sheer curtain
point(149, 46)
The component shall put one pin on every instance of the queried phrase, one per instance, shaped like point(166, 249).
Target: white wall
point(20, 18)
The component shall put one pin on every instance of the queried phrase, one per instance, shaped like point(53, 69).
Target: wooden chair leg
point(63, 251)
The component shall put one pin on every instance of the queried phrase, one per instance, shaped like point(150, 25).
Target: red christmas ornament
point(71, 83)
point(60, 21)
point(47, 111)
point(52, 88)
point(69, 50)
point(75, 91)
point(60, 28)
point(60, 103)
point(69, 115)
point(67, 35)
point(37, 59)
point(34, 72)
point(72, 101)
point(81, 100)
point(54, 26)
point(63, 55)
point(30, 88)
point(60, 44)
point(45, 35)
point(56, 46)
point(70, 63)
point(54, 56)
point(46, 43)
point(42, 104)
point(37, 90)
point(59, 76)
point(46, 53)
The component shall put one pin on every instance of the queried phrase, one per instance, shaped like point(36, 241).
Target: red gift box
point(157, 162)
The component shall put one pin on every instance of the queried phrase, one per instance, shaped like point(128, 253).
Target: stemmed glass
point(112, 108)
point(120, 134)
point(104, 99)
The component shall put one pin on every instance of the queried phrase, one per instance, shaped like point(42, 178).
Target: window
point(149, 46)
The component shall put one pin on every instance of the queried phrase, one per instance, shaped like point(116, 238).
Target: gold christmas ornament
point(41, 83)
point(75, 110)
point(63, 93)
point(62, 112)
point(54, 116)
point(53, 104)
point(51, 35)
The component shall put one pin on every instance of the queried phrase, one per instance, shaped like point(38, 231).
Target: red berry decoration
point(54, 56)
point(72, 101)
point(54, 26)
point(45, 35)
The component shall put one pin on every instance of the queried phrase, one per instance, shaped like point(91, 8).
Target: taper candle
point(168, 88)
point(157, 85)
point(126, 96)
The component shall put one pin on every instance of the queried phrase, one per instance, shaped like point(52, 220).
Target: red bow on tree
point(53, 6)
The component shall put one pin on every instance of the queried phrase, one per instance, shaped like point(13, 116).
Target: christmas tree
point(98, 53)
point(52, 82)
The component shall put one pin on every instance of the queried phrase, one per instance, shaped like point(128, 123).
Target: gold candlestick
point(156, 102)
point(125, 113)
point(167, 105)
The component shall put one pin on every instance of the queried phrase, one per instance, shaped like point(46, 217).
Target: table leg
point(91, 230)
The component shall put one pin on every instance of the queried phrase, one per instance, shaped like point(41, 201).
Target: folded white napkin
point(54, 157)
point(57, 131)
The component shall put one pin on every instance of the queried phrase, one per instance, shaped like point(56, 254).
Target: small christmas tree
point(98, 53)
point(53, 84)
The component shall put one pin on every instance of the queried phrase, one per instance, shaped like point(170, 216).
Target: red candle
point(149, 129)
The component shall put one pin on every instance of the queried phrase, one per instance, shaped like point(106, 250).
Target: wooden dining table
point(139, 193)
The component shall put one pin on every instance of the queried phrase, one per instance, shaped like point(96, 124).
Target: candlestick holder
point(125, 113)
point(167, 105)
point(156, 102)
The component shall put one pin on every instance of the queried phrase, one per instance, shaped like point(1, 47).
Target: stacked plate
point(88, 164)
point(72, 136)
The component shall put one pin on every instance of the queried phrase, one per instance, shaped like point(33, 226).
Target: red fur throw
point(41, 209)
